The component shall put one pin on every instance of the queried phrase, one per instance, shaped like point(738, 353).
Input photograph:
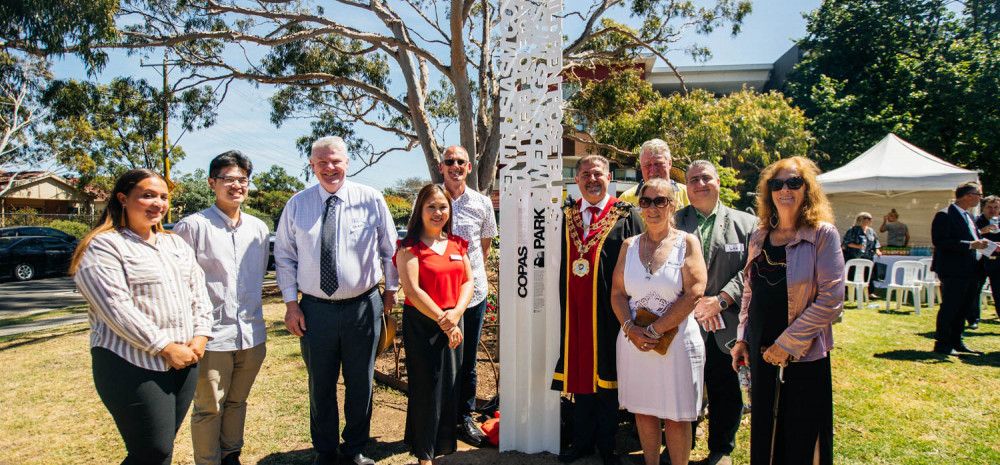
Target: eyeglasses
point(454, 161)
point(233, 180)
point(659, 202)
point(793, 183)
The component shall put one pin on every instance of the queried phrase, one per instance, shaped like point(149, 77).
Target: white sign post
point(530, 34)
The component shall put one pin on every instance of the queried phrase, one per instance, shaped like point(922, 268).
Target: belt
point(349, 300)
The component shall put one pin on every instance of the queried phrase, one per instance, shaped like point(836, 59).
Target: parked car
point(270, 249)
point(28, 257)
point(19, 231)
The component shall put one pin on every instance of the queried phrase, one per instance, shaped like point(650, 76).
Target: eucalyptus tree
point(410, 69)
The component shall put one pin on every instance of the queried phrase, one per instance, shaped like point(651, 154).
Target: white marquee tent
point(894, 174)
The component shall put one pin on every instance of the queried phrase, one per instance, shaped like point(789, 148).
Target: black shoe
point(973, 325)
point(358, 459)
point(962, 348)
point(714, 458)
point(469, 433)
point(573, 454)
point(231, 459)
point(611, 459)
point(325, 459)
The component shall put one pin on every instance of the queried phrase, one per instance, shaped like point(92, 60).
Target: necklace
point(597, 232)
point(652, 255)
point(771, 262)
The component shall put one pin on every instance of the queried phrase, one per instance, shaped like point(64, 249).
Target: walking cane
point(774, 421)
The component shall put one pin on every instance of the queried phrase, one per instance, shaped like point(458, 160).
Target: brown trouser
point(220, 402)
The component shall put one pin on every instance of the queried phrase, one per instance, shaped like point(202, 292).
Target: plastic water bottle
point(744, 375)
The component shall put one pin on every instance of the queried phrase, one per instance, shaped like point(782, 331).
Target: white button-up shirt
point(234, 259)
point(143, 296)
point(473, 220)
point(366, 242)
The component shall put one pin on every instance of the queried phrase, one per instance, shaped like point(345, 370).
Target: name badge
point(456, 257)
point(734, 247)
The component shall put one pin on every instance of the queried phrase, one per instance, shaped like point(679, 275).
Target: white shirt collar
point(584, 204)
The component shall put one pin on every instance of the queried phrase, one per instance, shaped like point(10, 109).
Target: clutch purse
point(643, 318)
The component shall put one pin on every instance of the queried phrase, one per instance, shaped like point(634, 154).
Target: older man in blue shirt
point(335, 242)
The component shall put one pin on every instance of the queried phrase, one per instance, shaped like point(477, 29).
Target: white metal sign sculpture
point(530, 36)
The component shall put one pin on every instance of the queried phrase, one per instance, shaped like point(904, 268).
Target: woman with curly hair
point(793, 292)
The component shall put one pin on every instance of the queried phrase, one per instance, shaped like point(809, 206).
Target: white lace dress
point(665, 386)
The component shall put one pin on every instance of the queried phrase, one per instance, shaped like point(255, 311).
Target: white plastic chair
point(904, 277)
point(929, 283)
point(857, 288)
point(986, 295)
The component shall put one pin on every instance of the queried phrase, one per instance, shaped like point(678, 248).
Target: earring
point(773, 221)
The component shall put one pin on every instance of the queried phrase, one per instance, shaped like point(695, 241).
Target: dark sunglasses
point(659, 202)
point(453, 161)
point(794, 183)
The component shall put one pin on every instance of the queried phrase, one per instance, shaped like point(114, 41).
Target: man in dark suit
point(724, 233)
point(956, 263)
point(988, 229)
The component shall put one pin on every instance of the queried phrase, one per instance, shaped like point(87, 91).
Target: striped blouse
point(143, 296)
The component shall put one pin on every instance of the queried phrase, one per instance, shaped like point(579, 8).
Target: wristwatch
point(723, 303)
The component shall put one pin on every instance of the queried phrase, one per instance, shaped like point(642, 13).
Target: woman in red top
point(436, 276)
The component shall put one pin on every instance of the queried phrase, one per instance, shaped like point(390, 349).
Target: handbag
point(644, 317)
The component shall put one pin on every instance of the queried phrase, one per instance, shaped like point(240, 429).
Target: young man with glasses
point(231, 247)
point(473, 220)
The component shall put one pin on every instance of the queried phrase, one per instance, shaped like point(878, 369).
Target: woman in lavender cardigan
point(793, 292)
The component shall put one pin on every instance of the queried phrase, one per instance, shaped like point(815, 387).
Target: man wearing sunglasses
point(956, 263)
point(724, 233)
point(594, 229)
point(473, 220)
point(655, 162)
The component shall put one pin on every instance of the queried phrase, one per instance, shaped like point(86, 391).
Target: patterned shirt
point(472, 220)
point(366, 242)
point(234, 259)
point(143, 296)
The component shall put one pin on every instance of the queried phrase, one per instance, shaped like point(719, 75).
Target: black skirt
point(805, 407)
point(432, 403)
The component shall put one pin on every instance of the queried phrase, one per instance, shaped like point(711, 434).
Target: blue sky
point(244, 117)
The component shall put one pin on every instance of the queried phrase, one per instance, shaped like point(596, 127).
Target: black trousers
point(432, 403)
point(595, 420)
point(340, 335)
point(148, 406)
point(994, 278)
point(957, 295)
point(472, 328)
point(725, 400)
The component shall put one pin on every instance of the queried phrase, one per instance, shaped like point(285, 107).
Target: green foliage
point(75, 228)
point(741, 132)
point(277, 179)
point(191, 194)
point(268, 220)
point(51, 27)
point(104, 130)
point(407, 188)
point(923, 69)
point(25, 217)
point(269, 203)
point(399, 208)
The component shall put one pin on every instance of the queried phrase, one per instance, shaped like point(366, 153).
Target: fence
point(28, 217)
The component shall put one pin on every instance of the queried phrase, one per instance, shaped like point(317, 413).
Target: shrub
point(75, 228)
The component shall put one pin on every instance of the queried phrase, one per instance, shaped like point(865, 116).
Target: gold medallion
point(581, 267)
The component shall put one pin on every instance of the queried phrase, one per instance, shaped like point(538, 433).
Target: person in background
point(724, 234)
point(436, 276)
point(897, 234)
point(232, 249)
point(956, 263)
point(654, 163)
point(594, 229)
point(335, 242)
point(793, 290)
point(861, 242)
point(150, 316)
point(661, 272)
point(987, 224)
point(473, 220)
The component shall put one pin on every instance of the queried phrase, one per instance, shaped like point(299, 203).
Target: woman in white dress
point(660, 270)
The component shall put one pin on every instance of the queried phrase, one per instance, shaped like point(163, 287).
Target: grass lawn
point(895, 401)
